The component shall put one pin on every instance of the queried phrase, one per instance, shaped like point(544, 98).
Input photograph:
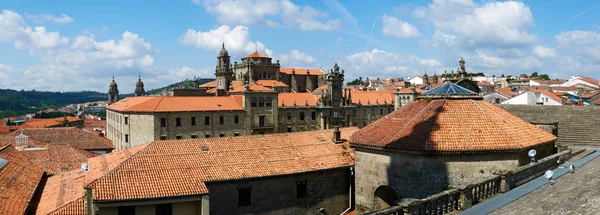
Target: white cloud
point(237, 40)
point(264, 13)
point(493, 24)
point(398, 28)
point(380, 63)
point(63, 18)
point(544, 52)
point(81, 62)
point(584, 44)
point(487, 61)
point(297, 58)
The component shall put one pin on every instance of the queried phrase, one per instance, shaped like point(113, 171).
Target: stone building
point(291, 173)
point(248, 106)
point(448, 137)
point(139, 87)
point(113, 92)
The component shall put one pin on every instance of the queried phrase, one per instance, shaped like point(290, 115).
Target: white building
point(540, 97)
point(582, 82)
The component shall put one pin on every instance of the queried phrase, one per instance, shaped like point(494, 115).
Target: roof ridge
point(411, 120)
point(87, 185)
point(157, 104)
point(67, 204)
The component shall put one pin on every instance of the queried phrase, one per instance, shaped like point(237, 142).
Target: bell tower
point(139, 87)
point(223, 71)
point(335, 80)
point(113, 92)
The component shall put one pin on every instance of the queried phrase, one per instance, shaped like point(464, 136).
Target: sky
point(80, 45)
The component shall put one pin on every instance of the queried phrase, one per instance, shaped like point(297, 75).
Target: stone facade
point(412, 175)
point(185, 207)
point(328, 189)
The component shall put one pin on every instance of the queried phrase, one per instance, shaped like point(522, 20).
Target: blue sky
point(79, 45)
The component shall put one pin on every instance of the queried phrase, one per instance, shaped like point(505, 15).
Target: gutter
point(350, 192)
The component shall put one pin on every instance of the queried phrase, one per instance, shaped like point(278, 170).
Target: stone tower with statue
point(113, 92)
point(223, 72)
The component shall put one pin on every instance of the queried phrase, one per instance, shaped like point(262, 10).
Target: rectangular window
point(193, 121)
point(163, 137)
point(236, 134)
point(207, 120)
point(163, 122)
point(193, 136)
point(221, 135)
point(178, 122)
point(313, 115)
point(261, 121)
point(126, 210)
point(221, 120)
point(289, 129)
point(289, 115)
point(164, 209)
point(126, 120)
point(178, 137)
point(301, 189)
point(302, 116)
point(380, 111)
point(207, 136)
point(236, 120)
point(127, 138)
point(244, 197)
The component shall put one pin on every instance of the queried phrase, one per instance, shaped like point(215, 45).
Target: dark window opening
point(261, 121)
point(163, 137)
point(127, 138)
point(289, 115)
point(126, 120)
point(253, 102)
point(126, 210)
point(221, 120)
point(380, 111)
point(164, 209)
point(261, 102)
point(163, 122)
point(236, 134)
point(207, 136)
point(313, 115)
point(178, 122)
point(236, 119)
point(268, 101)
point(178, 137)
point(301, 189)
point(221, 135)
point(302, 116)
point(193, 121)
point(193, 136)
point(244, 197)
point(289, 129)
point(207, 120)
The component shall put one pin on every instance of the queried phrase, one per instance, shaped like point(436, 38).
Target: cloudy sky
point(79, 45)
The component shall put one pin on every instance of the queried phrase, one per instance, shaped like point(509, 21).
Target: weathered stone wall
point(329, 189)
point(418, 176)
point(178, 208)
point(577, 125)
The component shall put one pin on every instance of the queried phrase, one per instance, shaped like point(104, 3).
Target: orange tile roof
point(323, 87)
point(451, 126)
point(175, 104)
point(591, 94)
point(269, 83)
point(301, 99)
point(8, 129)
point(549, 95)
point(257, 55)
point(484, 84)
point(590, 80)
point(56, 157)
point(75, 137)
point(559, 93)
point(44, 123)
point(63, 193)
point(211, 84)
point(301, 71)
point(507, 92)
point(408, 90)
point(238, 87)
point(542, 81)
point(19, 178)
point(373, 97)
point(95, 122)
point(182, 167)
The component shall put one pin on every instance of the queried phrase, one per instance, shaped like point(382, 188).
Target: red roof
point(484, 84)
point(300, 99)
point(175, 104)
point(75, 137)
point(269, 83)
point(45, 123)
point(301, 71)
point(19, 178)
point(56, 158)
point(451, 126)
point(372, 97)
point(257, 55)
point(549, 95)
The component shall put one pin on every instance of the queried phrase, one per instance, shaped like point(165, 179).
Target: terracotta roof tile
point(590, 80)
point(43, 123)
point(323, 87)
point(549, 95)
point(408, 90)
point(591, 94)
point(484, 84)
point(301, 99)
point(269, 83)
point(75, 137)
point(181, 167)
point(176, 103)
point(19, 178)
point(63, 193)
point(55, 158)
point(451, 126)
point(373, 97)
point(301, 71)
point(257, 55)
point(211, 84)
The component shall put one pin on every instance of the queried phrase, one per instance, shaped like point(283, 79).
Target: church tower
point(139, 87)
point(113, 92)
point(335, 80)
point(223, 72)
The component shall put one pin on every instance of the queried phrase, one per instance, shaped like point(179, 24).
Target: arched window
point(253, 102)
point(261, 102)
point(268, 101)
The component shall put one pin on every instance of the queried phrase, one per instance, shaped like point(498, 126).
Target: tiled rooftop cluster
point(19, 178)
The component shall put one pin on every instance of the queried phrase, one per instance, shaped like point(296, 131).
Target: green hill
point(16, 103)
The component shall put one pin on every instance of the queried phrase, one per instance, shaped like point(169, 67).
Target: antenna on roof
point(256, 46)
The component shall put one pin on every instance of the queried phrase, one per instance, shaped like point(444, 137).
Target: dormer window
point(253, 102)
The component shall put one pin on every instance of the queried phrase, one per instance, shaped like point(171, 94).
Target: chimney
point(337, 135)
point(101, 134)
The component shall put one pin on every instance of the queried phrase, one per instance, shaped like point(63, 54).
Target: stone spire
point(223, 71)
point(113, 92)
point(139, 87)
point(335, 81)
point(435, 78)
point(425, 78)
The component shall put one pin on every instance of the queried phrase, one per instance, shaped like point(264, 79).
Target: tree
point(355, 82)
point(534, 74)
point(545, 76)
